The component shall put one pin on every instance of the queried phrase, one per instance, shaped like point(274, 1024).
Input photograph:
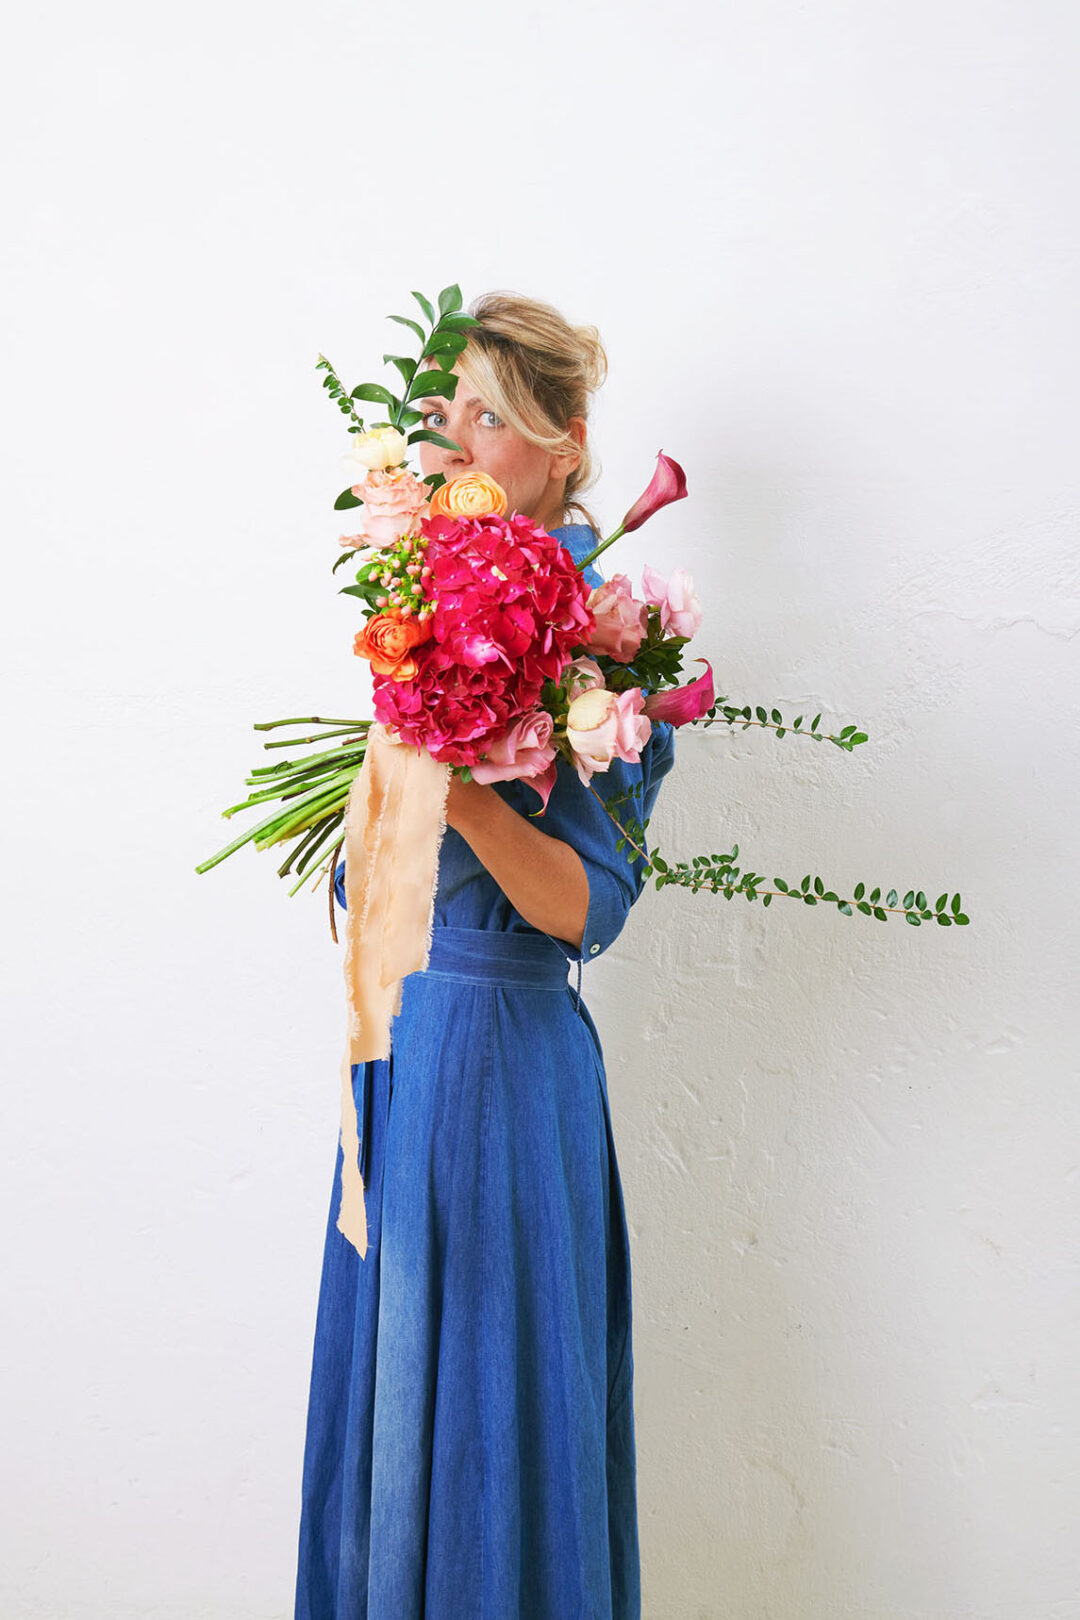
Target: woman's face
point(534, 479)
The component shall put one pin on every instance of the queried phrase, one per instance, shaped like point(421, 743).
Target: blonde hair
point(537, 371)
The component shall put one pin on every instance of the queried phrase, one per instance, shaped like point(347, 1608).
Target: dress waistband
point(490, 956)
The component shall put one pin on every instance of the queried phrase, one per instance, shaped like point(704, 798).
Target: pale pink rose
point(580, 675)
point(602, 726)
point(523, 751)
point(392, 499)
point(621, 622)
point(680, 610)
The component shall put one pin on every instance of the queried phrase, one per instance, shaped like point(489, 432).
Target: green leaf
point(879, 914)
point(865, 907)
point(946, 922)
point(405, 366)
point(909, 899)
point(766, 899)
point(955, 905)
point(660, 864)
point(797, 724)
point(939, 903)
point(345, 500)
point(425, 306)
point(859, 891)
point(875, 897)
point(910, 917)
point(816, 722)
point(859, 737)
point(845, 908)
point(450, 299)
point(414, 326)
point(810, 899)
point(920, 900)
point(441, 342)
point(819, 887)
point(890, 898)
point(776, 717)
point(760, 712)
point(805, 884)
point(458, 322)
point(781, 885)
point(433, 381)
point(375, 391)
point(429, 436)
point(961, 919)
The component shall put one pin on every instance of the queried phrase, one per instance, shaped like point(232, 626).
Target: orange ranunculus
point(469, 495)
point(388, 642)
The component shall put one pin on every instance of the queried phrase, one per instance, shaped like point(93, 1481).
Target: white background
point(832, 251)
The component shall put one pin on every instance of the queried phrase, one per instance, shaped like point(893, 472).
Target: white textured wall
point(833, 253)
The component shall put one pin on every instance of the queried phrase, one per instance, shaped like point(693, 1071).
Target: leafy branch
point(719, 875)
point(443, 342)
point(847, 739)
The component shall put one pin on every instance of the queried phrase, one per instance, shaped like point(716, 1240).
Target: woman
point(470, 1436)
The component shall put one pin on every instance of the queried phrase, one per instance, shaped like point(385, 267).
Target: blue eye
point(490, 412)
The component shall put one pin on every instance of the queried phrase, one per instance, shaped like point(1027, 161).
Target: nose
point(461, 458)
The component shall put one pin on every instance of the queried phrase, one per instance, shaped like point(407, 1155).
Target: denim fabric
point(470, 1434)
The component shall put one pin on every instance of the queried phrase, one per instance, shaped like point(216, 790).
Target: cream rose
point(377, 449)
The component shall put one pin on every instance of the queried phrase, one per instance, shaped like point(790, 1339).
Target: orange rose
point(388, 642)
point(469, 495)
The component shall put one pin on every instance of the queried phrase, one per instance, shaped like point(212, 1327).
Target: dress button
point(593, 949)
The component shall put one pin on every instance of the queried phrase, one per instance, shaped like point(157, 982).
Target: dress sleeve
point(339, 885)
point(574, 815)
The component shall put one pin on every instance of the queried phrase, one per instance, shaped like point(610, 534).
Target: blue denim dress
point(470, 1432)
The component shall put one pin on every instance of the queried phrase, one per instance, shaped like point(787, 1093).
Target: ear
point(564, 464)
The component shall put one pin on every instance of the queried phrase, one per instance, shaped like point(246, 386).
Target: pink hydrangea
point(510, 607)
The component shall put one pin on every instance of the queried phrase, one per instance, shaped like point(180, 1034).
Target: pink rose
point(523, 750)
point(681, 705)
point(680, 610)
point(602, 726)
point(392, 499)
point(621, 622)
point(581, 675)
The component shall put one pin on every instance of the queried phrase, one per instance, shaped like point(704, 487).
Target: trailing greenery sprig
point(846, 739)
point(719, 875)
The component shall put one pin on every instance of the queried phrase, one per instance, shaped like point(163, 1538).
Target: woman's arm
point(541, 876)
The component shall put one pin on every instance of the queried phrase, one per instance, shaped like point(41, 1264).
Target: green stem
point(610, 541)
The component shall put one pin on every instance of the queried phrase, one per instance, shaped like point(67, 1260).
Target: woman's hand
point(543, 878)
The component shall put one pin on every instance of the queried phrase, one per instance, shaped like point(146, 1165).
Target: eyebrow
point(425, 398)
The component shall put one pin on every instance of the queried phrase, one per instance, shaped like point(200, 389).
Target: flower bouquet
point(491, 656)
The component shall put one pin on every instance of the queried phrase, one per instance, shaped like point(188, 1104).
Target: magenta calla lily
point(680, 705)
point(668, 484)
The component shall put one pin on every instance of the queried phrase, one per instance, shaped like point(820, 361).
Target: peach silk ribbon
point(395, 818)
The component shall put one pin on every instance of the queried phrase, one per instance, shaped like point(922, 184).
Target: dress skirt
point(470, 1436)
